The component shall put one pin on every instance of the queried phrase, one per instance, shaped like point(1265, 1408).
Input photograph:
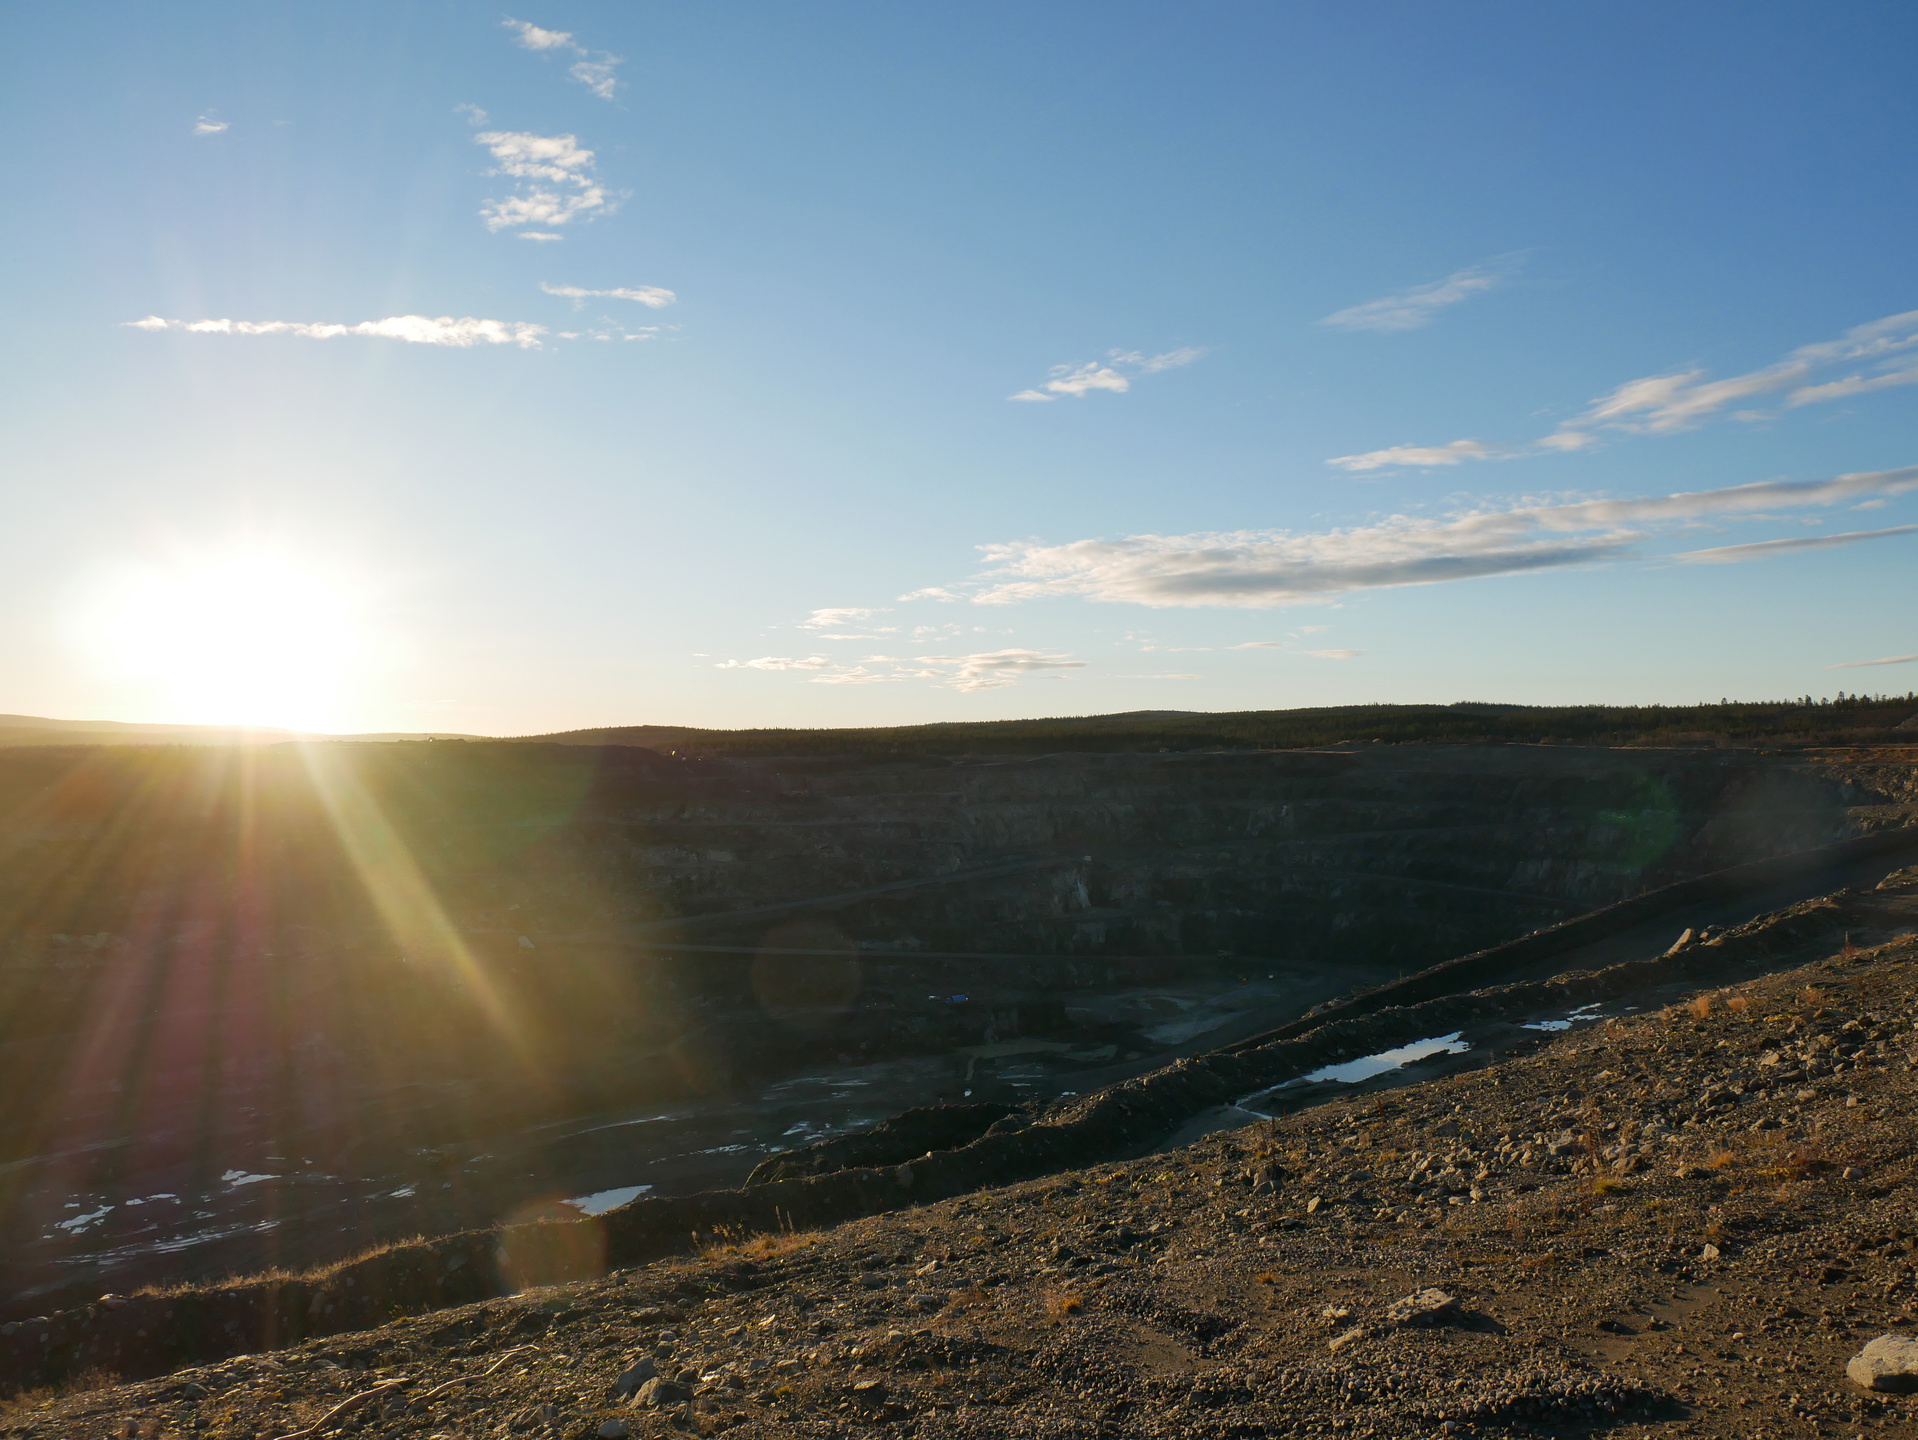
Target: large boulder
point(1889, 1363)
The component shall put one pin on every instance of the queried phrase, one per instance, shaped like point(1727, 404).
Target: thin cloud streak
point(651, 296)
point(460, 334)
point(1684, 400)
point(1866, 664)
point(1261, 568)
point(1765, 549)
point(1420, 305)
point(992, 670)
point(1414, 455)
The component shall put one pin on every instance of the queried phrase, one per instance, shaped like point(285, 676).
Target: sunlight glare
point(246, 636)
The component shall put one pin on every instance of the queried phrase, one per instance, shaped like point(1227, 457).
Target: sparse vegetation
point(1849, 720)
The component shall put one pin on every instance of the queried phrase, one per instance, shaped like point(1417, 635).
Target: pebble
point(613, 1430)
point(1889, 1363)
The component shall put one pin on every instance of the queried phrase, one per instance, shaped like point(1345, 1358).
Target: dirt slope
point(1681, 1221)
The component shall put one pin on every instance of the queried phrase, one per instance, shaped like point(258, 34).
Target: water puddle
point(1584, 1015)
point(600, 1201)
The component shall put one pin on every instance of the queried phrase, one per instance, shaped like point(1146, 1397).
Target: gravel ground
point(1683, 1222)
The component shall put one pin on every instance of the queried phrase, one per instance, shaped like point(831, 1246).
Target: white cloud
point(1414, 455)
point(207, 125)
point(1682, 400)
point(540, 237)
point(415, 329)
point(1850, 385)
point(530, 37)
point(1863, 664)
point(557, 180)
point(596, 74)
point(471, 114)
point(832, 617)
point(1765, 549)
point(648, 295)
point(999, 667)
point(1079, 381)
point(1410, 309)
point(988, 671)
point(1336, 654)
point(933, 592)
point(777, 662)
point(1259, 568)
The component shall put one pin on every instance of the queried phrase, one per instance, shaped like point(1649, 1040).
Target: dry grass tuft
point(1061, 1303)
point(1739, 1004)
point(1605, 1186)
point(763, 1245)
point(1720, 1159)
point(1700, 1007)
point(25, 1400)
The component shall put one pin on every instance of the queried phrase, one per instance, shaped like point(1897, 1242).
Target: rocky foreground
point(1685, 1221)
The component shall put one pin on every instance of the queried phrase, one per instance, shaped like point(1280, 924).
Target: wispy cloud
point(557, 179)
point(988, 671)
point(597, 75)
point(415, 329)
point(1765, 549)
point(1683, 400)
point(207, 125)
point(1414, 455)
point(1411, 309)
point(1259, 568)
point(1115, 373)
point(595, 72)
point(649, 295)
point(836, 617)
point(999, 667)
point(777, 662)
point(1336, 654)
point(1865, 664)
point(471, 114)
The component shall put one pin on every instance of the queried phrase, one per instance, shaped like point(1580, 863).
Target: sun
point(246, 636)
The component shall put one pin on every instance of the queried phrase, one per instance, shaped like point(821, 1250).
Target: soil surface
point(1683, 1221)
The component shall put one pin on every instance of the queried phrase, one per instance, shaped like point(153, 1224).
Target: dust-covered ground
point(1681, 1222)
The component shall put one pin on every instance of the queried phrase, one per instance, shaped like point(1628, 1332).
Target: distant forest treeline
point(1846, 720)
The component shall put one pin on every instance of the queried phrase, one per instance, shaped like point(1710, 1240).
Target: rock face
point(1889, 1363)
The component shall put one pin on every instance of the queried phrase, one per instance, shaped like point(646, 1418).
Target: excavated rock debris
point(1640, 1228)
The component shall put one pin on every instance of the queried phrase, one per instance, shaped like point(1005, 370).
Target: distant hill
point(1788, 723)
point(18, 730)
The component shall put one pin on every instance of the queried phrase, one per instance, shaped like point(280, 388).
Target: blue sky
point(886, 363)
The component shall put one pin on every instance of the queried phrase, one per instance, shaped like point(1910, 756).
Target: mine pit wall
point(152, 1334)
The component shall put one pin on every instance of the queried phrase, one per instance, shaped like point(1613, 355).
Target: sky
point(441, 367)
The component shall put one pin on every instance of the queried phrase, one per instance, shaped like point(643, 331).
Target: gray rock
point(613, 1430)
point(661, 1391)
point(642, 1370)
point(1889, 1363)
point(1425, 1307)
